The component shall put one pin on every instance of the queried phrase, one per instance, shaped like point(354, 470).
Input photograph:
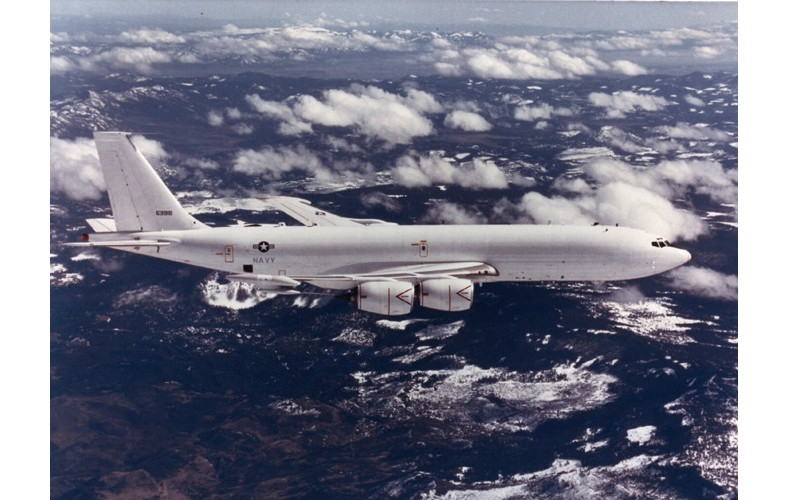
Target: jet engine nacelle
point(447, 294)
point(391, 298)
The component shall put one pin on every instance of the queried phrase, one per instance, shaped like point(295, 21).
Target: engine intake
point(391, 298)
point(447, 294)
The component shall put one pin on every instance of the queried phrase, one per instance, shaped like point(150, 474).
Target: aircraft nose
point(676, 257)
point(668, 258)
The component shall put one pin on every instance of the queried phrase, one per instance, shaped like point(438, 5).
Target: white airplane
point(386, 266)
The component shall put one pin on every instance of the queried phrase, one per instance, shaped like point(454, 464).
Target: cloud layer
point(421, 171)
point(145, 50)
point(74, 169)
point(368, 110)
point(619, 104)
point(615, 192)
point(467, 120)
point(704, 282)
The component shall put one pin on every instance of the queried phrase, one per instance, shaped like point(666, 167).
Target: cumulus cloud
point(136, 59)
point(141, 50)
point(621, 139)
point(378, 199)
point(277, 163)
point(74, 169)
point(215, 118)
point(616, 203)
point(707, 52)
point(201, 163)
point(291, 124)
point(710, 42)
point(151, 149)
point(523, 58)
point(695, 132)
point(368, 110)
point(671, 178)
point(291, 42)
point(628, 68)
point(614, 192)
point(445, 212)
point(324, 20)
point(572, 185)
point(242, 128)
point(274, 163)
point(504, 64)
point(432, 170)
point(60, 65)
point(569, 64)
point(619, 104)
point(146, 36)
point(694, 101)
point(543, 111)
point(704, 282)
point(467, 120)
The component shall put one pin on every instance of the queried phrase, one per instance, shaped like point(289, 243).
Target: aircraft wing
point(303, 211)
point(411, 273)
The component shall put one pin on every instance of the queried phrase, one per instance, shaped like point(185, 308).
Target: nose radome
point(680, 257)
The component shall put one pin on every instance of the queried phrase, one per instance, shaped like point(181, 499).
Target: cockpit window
point(660, 243)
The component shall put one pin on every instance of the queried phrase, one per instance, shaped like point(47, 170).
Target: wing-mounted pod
point(275, 284)
point(446, 294)
point(391, 298)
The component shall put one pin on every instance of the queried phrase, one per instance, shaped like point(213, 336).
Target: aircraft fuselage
point(516, 252)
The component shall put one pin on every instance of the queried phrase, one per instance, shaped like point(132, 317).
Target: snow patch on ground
point(356, 337)
point(398, 325)
point(630, 478)
point(290, 407)
point(440, 331)
point(652, 318)
point(479, 401)
point(584, 155)
point(59, 276)
point(641, 435)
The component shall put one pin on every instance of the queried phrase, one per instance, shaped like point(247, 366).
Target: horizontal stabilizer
point(120, 243)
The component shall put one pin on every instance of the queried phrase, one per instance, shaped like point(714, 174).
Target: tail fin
point(140, 201)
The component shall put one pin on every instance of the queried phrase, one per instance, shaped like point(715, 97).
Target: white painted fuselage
point(322, 255)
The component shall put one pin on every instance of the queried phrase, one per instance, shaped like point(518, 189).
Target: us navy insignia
point(264, 246)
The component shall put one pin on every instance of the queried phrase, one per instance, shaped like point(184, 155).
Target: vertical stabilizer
point(140, 201)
